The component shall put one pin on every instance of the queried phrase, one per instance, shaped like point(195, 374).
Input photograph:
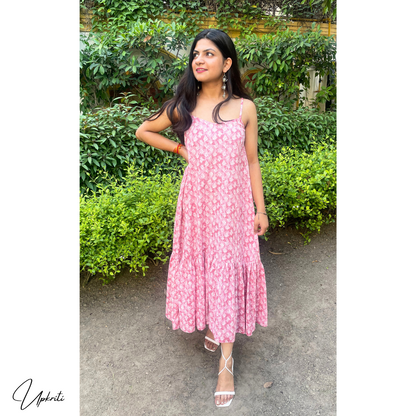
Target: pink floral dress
point(215, 275)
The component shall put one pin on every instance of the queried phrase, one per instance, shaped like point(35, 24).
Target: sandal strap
point(221, 393)
point(225, 365)
point(212, 340)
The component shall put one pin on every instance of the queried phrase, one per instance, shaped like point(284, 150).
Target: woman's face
point(208, 57)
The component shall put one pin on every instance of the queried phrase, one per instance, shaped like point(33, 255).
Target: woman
point(215, 276)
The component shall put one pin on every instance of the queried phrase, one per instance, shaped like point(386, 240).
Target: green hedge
point(124, 224)
point(128, 222)
point(280, 127)
point(300, 187)
point(108, 144)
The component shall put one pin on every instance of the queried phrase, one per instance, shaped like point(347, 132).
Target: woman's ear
point(227, 64)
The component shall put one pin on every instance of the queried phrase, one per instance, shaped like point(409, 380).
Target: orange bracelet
point(177, 148)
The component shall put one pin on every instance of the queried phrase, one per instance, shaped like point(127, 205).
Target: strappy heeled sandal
point(213, 341)
point(224, 393)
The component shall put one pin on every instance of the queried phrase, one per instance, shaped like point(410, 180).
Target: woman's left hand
point(261, 224)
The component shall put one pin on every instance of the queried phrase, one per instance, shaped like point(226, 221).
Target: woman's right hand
point(183, 151)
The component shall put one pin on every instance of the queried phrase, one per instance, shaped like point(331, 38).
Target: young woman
point(215, 275)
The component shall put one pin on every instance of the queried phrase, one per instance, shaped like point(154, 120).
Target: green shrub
point(125, 224)
point(300, 187)
point(108, 145)
point(280, 127)
point(283, 58)
point(139, 58)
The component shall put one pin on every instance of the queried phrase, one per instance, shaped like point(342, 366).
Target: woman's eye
point(195, 54)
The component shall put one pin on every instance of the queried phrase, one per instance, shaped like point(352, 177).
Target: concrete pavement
point(132, 363)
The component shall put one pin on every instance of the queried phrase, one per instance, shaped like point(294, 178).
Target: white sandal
point(213, 341)
point(223, 393)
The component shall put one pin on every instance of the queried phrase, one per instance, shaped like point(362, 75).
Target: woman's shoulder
point(246, 101)
point(249, 107)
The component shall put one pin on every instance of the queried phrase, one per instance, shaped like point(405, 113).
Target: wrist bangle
point(262, 213)
point(176, 149)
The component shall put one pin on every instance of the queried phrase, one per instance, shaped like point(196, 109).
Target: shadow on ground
point(132, 363)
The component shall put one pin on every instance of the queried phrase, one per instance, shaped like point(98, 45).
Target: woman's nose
point(198, 60)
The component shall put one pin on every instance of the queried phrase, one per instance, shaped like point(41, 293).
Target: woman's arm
point(148, 132)
point(260, 220)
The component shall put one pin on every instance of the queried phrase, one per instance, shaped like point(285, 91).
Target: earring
point(224, 80)
point(197, 89)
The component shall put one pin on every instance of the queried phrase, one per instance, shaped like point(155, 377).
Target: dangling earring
point(197, 89)
point(224, 80)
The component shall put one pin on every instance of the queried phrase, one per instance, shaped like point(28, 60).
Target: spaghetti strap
point(241, 107)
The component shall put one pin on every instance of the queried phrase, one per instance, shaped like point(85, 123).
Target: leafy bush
point(283, 59)
point(140, 59)
point(125, 224)
point(280, 127)
point(109, 145)
point(300, 187)
point(112, 14)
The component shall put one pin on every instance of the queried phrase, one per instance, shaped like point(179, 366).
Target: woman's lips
point(200, 70)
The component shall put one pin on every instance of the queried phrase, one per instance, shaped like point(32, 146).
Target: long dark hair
point(185, 97)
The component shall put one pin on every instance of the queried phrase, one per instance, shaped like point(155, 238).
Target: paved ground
point(132, 363)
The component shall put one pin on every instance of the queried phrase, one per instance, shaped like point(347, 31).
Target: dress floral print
point(215, 275)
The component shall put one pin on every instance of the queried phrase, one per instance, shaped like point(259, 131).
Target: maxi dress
point(215, 275)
